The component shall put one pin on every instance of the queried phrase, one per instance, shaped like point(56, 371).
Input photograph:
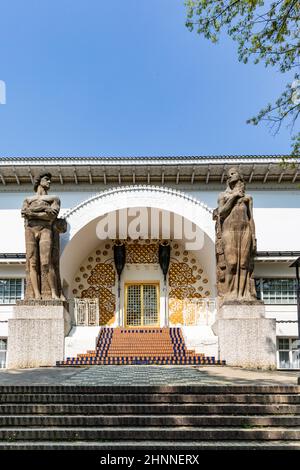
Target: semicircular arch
point(81, 236)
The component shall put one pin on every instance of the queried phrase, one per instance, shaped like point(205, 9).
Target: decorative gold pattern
point(188, 292)
point(96, 277)
point(177, 298)
point(180, 274)
point(141, 253)
point(102, 274)
point(184, 280)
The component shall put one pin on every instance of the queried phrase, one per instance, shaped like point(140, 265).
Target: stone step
point(148, 420)
point(150, 389)
point(144, 409)
point(182, 433)
point(150, 398)
point(161, 346)
point(152, 445)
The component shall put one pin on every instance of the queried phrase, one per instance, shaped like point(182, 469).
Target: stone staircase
point(149, 417)
point(120, 346)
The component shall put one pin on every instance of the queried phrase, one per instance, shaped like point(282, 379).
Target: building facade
point(142, 201)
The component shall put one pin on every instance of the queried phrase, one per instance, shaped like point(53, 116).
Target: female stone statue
point(236, 243)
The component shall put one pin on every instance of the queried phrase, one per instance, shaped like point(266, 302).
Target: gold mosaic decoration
point(177, 299)
point(141, 253)
point(187, 292)
point(182, 280)
point(102, 274)
point(180, 274)
point(96, 278)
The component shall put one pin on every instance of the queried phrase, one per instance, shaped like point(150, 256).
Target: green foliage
point(265, 31)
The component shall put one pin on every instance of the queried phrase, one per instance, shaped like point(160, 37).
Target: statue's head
point(43, 179)
point(234, 175)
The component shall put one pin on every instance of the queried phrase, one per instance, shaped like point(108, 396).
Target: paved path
point(147, 375)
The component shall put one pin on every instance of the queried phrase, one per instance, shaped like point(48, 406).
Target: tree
point(267, 32)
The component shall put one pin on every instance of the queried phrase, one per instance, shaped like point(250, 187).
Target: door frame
point(145, 283)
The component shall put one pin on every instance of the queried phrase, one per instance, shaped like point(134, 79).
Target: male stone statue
point(235, 241)
point(42, 228)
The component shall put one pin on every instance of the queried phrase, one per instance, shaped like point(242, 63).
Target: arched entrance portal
point(87, 264)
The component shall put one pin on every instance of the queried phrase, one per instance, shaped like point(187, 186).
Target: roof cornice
point(143, 160)
point(16, 172)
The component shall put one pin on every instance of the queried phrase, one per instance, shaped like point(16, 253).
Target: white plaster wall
point(287, 329)
point(6, 311)
point(282, 312)
point(80, 340)
point(277, 215)
point(3, 329)
point(12, 271)
point(273, 270)
point(201, 339)
point(12, 239)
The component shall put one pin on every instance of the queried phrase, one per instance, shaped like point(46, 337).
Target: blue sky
point(125, 77)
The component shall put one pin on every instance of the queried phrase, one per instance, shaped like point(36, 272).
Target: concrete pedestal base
point(36, 334)
point(246, 338)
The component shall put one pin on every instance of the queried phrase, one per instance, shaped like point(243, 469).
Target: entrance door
point(142, 304)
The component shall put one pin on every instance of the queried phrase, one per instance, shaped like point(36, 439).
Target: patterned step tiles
point(151, 346)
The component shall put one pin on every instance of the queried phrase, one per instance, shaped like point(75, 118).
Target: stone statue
point(42, 229)
point(235, 241)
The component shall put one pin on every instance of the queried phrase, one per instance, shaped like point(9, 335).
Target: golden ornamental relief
point(187, 292)
point(102, 274)
point(176, 311)
point(185, 286)
point(141, 253)
point(180, 274)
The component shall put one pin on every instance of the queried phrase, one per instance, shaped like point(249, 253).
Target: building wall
point(277, 216)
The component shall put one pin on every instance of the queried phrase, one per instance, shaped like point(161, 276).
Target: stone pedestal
point(246, 338)
point(36, 334)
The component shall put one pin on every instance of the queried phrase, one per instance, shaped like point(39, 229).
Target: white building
point(177, 188)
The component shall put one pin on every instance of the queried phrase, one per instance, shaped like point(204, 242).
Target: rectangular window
point(141, 304)
point(11, 290)
point(288, 353)
point(3, 349)
point(277, 291)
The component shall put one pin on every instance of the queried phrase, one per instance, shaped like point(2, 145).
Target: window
point(11, 290)
point(277, 291)
point(288, 353)
point(3, 349)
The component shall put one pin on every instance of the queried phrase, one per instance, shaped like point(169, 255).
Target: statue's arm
point(25, 208)
point(252, 224)
point(55, 206)
point(225, 207)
